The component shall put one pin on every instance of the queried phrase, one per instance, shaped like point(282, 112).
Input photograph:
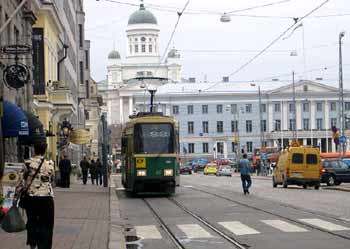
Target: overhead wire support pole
point(294, 110)
point(2, 29)
point(341, 92)
point(260, 117)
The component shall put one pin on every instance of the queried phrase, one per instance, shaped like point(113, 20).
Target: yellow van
point(298, 166)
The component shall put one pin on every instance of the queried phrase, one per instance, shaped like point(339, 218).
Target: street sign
point(342, 139)
point(16, 49)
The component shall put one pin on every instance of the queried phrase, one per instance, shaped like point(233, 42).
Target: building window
point(175, 109)
point(190, 127)
point(234, 126)
point(233, 146)
point(263, 125)
point(150, 48)
point(205, 148)
point(306, 107)
point(333, 106)
point(81, 68)
point(220, 147)
point(205, 126)
point(319, 124)
point(143, 48)
point(87, 89)
point(248, 126)
point(219, 126)
point(190, 109)
point(291, 107)
point(219, 108)
point(319, 107)
point(291, 124)
point(204, 109)
point(87, 59)
point(191, 148)
point(248, 108)
point(277, 125)
point(277, 107)
point(334, 122)
point(233, 108)
point(136, 48)
point(347, 106)
point(81, 39)
point(347, 123)
point(306, 124)
point(130, 48)
point(263, 108)
point(249, 146)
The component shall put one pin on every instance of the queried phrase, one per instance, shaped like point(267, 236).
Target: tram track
point(279, 215)
point(203, 221)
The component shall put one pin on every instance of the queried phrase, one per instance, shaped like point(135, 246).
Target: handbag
point(13, 221)
point(23, 200)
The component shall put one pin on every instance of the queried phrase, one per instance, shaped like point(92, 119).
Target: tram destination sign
point(16, 49)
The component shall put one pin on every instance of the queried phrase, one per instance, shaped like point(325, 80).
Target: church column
point(121, 110)
point(131, 105)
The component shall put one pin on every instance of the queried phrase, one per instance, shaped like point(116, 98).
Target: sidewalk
point(82, 219)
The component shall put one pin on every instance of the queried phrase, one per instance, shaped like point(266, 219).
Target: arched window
point(150, 39)
point(136, 39)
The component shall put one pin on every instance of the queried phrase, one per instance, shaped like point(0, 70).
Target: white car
point(224, 170)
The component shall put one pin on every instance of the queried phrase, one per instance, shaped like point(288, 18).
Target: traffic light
point(335, 135)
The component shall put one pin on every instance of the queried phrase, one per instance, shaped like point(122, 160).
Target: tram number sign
point(140, 163)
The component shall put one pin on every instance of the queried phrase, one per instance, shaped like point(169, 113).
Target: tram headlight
point(168, 172)
point(141, 172)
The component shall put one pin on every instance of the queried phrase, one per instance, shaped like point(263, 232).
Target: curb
point(116, 235)
point(337, 189)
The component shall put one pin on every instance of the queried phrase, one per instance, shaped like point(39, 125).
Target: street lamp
point(341, 90)
point(260, 116)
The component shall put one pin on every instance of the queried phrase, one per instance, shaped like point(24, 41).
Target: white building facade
point(214, 116)
point(141, 69)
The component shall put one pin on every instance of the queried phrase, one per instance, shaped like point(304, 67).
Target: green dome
point(114, 55)
point(142, 16)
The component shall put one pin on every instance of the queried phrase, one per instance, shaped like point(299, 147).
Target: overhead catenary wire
point(273, 41)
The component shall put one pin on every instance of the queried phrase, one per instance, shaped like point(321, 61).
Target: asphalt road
point(211, 212)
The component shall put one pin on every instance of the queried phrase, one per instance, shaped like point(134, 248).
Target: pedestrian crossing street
point(196, 231)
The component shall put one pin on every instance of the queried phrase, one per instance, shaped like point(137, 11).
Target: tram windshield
point(154, 138)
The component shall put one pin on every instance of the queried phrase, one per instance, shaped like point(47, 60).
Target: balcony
point(62, 98)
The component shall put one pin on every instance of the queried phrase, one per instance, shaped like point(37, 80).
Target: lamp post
point(341, 90)
point(260, 117)
point(236, 131)
point(294, 110)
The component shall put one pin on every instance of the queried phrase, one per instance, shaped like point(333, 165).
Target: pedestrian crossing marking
point(193, 231)
point(148, 232)
point(238, 228)
point(324, 224)
point(284, 226)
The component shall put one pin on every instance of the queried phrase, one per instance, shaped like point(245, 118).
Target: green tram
point(150, 150)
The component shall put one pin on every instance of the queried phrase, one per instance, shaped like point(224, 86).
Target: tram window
point(154, 138)
point(124, 144)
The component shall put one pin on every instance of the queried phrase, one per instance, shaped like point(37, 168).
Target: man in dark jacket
point(65, 169)
point(93, 171)
point(84, 165)
point(245, 168)
point(98, 172)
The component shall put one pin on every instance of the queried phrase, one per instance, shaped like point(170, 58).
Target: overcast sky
point(202, 38)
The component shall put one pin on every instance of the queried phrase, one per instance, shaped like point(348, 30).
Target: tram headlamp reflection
point(168, 172)
point(141, 173)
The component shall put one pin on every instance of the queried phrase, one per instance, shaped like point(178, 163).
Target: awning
point(37, 134)
point(14, 122)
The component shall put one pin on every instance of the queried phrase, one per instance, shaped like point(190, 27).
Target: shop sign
point(79, 136)
point(16, 75)
point(16, 49)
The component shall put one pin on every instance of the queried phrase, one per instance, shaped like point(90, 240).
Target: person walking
point(65, 169)
point(84, 165)
point(93, 171)
point(98, 172)
point(35, 194)
point(245, 169)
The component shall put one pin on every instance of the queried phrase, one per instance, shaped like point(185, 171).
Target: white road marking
point(188, 186)
point(193, 231)
point(119, 189)
point(148, 232)
point(324, 224)
point(284, 226)
point(238, 228)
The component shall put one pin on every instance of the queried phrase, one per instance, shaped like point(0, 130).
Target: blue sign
point(264, 156)
point(342, 139)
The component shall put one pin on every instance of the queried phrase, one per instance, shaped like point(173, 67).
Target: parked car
point(224, 171)
point(210, 168)
point(334, 172)
point(199, 166)
point(186, 169)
